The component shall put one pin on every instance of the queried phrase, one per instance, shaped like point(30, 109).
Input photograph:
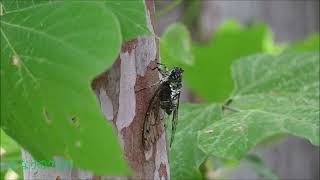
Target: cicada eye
point(178, 70)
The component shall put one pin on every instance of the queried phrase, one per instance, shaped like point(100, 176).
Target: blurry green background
point(223, 31)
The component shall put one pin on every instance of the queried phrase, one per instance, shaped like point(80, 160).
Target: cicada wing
point(174, 121)
point(152, 127)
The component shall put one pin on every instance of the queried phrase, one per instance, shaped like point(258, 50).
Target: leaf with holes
point(50, 52)
point(273, 95)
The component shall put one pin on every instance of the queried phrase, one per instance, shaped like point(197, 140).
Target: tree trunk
point(126, 109)
point(116, 90)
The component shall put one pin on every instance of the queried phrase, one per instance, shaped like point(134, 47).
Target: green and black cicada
point(166, 96)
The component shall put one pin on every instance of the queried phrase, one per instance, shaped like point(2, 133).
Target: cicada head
point(176, 74)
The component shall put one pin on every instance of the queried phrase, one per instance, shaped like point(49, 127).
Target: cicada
point(166, 97)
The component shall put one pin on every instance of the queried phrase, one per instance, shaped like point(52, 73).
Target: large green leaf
point(131, 15)
point(175, 46)
point(50, 52)
point(273, 95)
point(185, 156)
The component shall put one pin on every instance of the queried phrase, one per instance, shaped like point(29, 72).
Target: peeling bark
point(126, 109)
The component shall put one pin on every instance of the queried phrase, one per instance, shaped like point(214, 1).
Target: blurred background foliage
point(207, 67)
point(230, 42)
point(208, 38)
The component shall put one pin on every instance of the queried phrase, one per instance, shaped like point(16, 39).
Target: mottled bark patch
point(129, 46)
point(145, 54)
point(163, 171)
point(127, 99)
point(161, 157)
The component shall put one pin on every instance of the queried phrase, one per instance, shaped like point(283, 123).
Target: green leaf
point(185, 156)
point(131, 16)
point(210, 76)
point(273, 95)
point(50, 52)
point(175, 46)
point(312, 43)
